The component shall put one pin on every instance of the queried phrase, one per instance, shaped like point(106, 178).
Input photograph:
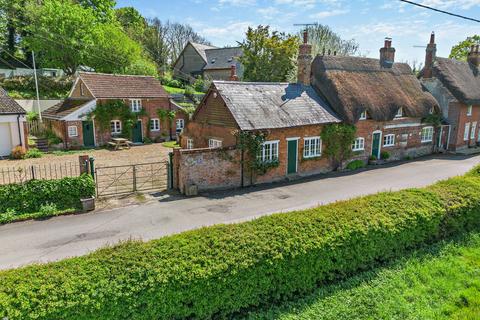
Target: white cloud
point(268, 12)
point(449, 4)
point(237, 3)
point(326, 14)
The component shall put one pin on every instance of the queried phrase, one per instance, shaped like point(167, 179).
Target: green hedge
point(220, 270)
point(29, 197)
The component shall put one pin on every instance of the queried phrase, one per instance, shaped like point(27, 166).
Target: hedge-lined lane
point(222, 269)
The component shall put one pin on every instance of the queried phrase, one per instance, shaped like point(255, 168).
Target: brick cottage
point(456, 86)
point(69, 120)
point(383, 99)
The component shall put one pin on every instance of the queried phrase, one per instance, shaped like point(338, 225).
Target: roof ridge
point(252, 82)
point(216, 48)
point(116, 75)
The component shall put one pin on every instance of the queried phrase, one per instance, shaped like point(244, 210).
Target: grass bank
point(438, 282)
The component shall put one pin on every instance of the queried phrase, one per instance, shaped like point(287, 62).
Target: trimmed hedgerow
point(220, 270)
point(31, 196)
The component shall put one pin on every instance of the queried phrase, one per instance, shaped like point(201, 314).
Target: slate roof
point(352, 85)
point(222, 58)
point(113, 86)
point(462, 79)
point(257, 106)
point(8, 105)
point(64, 108)
point(200, 48)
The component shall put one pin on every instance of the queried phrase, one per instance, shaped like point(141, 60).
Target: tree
point(103, 9)
point(12, 23)
point(132, 22)
point(461, 50)
point(321, 37)
point(268, 56)
point(156, 42)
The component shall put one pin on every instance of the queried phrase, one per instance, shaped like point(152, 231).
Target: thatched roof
point(257, 105)
point(353, 84)
point(462, 79)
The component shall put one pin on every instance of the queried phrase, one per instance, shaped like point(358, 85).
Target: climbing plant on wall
point(167, 115)
point(338, 139)
point(251, 143)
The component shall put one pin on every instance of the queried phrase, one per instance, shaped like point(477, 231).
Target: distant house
point(382, 98)
point(211, 62)
point(456, 86)
point(14, 68)
point(13, 131)
point(70, 122)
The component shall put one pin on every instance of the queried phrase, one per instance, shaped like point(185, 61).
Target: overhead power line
point(441, 11)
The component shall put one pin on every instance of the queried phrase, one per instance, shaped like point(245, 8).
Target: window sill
point(388, 146)
point(358, 150)
point(430, 141)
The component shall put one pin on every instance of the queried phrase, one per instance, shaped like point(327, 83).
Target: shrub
point(18, 153)
point(212, 272)
point(33, 153)
point(356, 164)
point(385, 155)
point(32, 195)
point(175, 84)
point(199, 85)
point(53, 139)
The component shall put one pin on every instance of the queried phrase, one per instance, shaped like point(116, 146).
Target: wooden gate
point(121, 180)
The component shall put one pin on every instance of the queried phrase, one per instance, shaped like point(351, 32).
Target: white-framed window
point(466, 133)
point(269, 152)
point(180, 124)
point(115, 127)
point(469, 110)
point(358, 144)
point(72, 131)
point(474, 129)
point(154, 124)
point(136, 105)
point(399, 113)
point(214, 143)
point(427, 134)
point(189, 143)
point(388, 140)
point(363, 115)
point(312, 147)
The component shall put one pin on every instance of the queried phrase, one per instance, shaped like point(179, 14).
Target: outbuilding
point(12, 124)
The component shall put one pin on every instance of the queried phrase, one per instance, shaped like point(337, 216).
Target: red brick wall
point(458, 115)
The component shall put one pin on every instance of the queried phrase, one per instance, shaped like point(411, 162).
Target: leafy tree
point(461, 50)
point(103, 9)
point(268, 56)
point(12, 23)
point(132, 22)
point(321, 37)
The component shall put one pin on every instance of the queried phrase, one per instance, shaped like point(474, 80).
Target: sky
point(224, 22)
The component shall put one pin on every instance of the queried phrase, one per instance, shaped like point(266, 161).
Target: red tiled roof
point(106, 86)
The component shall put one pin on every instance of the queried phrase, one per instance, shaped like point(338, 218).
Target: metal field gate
point(121, 180)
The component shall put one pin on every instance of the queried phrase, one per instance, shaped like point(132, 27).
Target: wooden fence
point(35, 127)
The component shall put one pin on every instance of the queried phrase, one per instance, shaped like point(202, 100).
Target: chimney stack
point(387, 54)
point(474, 55)
point(233, 73)
point(430, 57)
point(304, 61)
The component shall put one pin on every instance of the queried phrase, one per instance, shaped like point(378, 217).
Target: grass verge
point(171, 144)
point(438, 282)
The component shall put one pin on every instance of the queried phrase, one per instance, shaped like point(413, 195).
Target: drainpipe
point(19, 131)
point(241, 170)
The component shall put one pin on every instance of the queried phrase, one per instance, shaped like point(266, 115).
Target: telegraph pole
point(36, 88)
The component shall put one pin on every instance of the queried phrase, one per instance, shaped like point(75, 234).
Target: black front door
point(88, 137)
point(137, 132)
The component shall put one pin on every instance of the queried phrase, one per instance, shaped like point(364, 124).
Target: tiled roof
point(273, 105)
point(64, 108)
point(461, 78)
point(200, 48)
point(222, 58)
point(8, 105)
point(106, 86)
point(352, 85)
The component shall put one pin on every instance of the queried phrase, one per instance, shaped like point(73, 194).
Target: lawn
point(173, 90)
point(171, 144)
point(439, 282)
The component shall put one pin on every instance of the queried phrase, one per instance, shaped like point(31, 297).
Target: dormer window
point(363, 115)
point(136, 105)
point(432, 110)
point(213, 60)
point(399, 113)
point(469, 110)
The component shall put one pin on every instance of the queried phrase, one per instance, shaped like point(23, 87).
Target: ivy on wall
point(168, 116)
point(251, 143)
point(338, 139)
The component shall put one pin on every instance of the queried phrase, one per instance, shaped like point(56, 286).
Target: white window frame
point(155, 125)
point(426, 134)
point(308, 151)
point(399, 113)
point(116, 129)
point(189, 144)
point(363, 115)
point(358, 144)
point(466, 133)
point(72, 131)
point(136, 105)
point(214, 143)
point(269, 152)
point(473, 130)
point(180, 128)
point(389, 140)
point(469, 110)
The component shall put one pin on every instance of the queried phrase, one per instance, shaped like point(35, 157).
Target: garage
point(12, 124)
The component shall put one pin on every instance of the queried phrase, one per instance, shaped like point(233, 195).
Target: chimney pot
point(387, 54)
point(304, 61)
point(233, 73)
point(305, 36)
point(432, 38)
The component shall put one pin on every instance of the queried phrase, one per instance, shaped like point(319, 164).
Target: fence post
point(134, 178)
point(33, 172)
point(170, 170)
point(83, 160)
point(92, 167)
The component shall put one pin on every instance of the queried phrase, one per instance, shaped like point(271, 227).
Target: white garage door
point(5, 139)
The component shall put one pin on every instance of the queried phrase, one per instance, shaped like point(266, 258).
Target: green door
point(292, 156)
point(376, 144)
point(88, 137)
point(137, 132)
